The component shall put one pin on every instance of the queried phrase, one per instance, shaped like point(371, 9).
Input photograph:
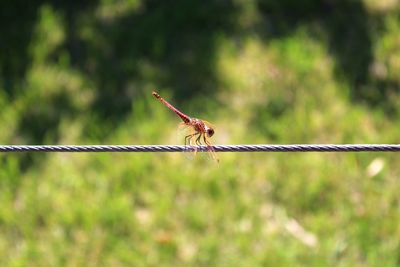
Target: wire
point(217, 148)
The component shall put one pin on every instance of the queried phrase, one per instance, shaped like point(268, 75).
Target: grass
point(259, 78)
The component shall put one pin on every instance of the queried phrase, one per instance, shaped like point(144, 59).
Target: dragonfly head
point(210, 132)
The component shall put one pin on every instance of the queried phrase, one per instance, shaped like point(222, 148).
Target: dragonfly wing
point(209, 124)
point(211, 152)
point(187, 135)
point(208, 143)
point(184, 133)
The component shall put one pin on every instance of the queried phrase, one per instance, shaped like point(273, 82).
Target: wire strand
point(217, 148)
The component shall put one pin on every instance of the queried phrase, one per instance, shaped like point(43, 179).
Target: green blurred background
point(262, 71)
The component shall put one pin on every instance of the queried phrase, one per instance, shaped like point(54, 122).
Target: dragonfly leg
point(198, 140)
point(188, 140)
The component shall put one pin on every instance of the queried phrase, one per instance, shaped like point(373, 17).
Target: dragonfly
point(201, 130)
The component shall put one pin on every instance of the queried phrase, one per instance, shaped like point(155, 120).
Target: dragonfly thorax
point(201, 127)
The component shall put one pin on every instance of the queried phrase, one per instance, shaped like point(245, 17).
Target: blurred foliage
point(262, 71)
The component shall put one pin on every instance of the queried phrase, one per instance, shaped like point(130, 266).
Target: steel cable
point(217, 148)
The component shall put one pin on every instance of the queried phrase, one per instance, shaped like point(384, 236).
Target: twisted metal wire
point(217, 148)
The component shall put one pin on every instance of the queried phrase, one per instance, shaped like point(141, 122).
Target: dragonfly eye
point(210, 132)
